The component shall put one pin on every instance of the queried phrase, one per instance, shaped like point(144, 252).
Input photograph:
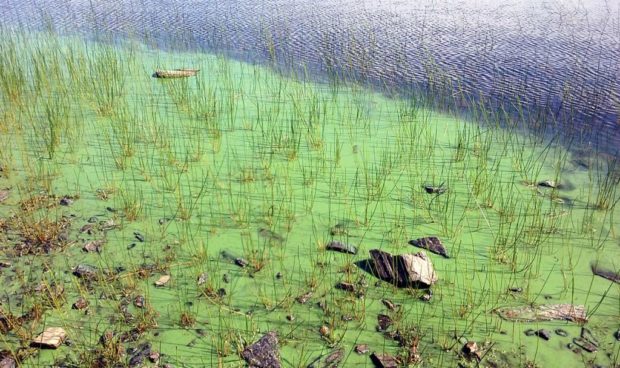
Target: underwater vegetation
point(241, 216)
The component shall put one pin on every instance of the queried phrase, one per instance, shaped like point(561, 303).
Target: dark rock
point(88, 228)
point(221, 292)
point(290, 317)
point(5, 264)
point(435, 189)
point(384, 322)
point(471, 351)
point(362, 349)
point(86, 272)
point(110, 209)
point(585, 344)
point(617, 335)
point(548, 184)
point(432, 244)
point(544, 334)
point(226, 278)
point(346, 286)
point(605, 273)
point(93, 220)
point(341, 247)
point(515, 289)
point(80, 304)
point(6, 323)
point(241, 262)
point(587, 335)
point(561, 332)
point(163, 220)
point(66, 201)
point(131, 246)
point(140, 354)
point(530, 332)
point(279, 275)
point(407, 270)
point(263, 353)
point(138, 236)
point(383, 360)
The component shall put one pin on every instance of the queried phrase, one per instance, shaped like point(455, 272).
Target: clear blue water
point(555, 63)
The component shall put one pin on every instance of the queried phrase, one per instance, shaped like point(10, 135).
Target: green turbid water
point(233, 181)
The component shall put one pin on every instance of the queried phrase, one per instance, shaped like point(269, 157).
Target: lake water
point(554, 61)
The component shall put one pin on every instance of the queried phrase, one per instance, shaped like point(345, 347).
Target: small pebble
point(93, 220)
point(139, 236)
point(226, 278)
point(110, 209)
point(530, 332)
point(66, 201)
point(279, 275)
point(617, 335)
point(561, 332)
point(362, 349)
point(290, 318)
point(131, 246)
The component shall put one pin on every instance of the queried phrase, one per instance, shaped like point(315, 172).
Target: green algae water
point(183, 177)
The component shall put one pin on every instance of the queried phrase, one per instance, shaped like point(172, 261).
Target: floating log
point(175, 73)
point(432, 244)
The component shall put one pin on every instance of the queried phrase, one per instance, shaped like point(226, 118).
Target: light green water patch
point(170, 173)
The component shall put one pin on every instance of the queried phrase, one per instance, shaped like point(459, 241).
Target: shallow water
point(245, 161)
point(555, 62)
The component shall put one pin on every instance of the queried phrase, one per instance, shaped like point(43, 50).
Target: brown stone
point(80, 304)
point(383, 360)
point(51, 338)
point(163, 280)
point(406, 270)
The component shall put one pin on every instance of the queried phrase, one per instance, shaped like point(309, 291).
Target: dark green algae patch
point(176, 222)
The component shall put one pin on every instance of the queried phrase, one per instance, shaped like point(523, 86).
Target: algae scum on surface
point(230, 217)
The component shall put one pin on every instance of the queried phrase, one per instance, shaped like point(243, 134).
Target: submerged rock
point(341, 247)
point(561, 332)
point(383, 322)
point(303, 298)
point(406, 270)
point(140, 354)
point(383, 360)
point(86, 272)
point(333, 359)
point(544, 334)
point(51, 338)
point(471, 351)
point(263, 353)
point(432, 244)
point(93, 246)
point(605, 273)
point(139, 237)
point(4, 194)
point(362, 349)
point(7, 360)
point(270, 235)
point(430, 189)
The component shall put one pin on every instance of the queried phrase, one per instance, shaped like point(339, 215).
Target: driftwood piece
point(549, 312)
point(406, 270)
point(432, 244)
point(263, 353)
point(175, 73)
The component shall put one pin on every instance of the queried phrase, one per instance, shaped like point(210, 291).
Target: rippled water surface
point(557, 59)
